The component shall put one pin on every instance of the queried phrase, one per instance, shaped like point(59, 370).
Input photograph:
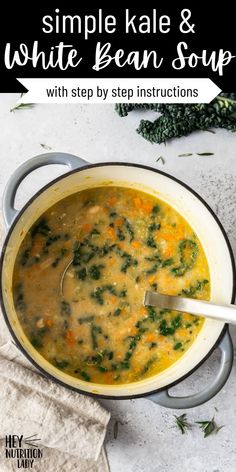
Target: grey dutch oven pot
point(163, 397)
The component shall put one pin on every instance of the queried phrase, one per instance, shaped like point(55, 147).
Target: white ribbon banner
point(119, 90)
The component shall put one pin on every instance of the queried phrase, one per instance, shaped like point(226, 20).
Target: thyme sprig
point(21, 106)
point(209, 426)
point(161, 159)
point(205, 153)
point(187, 154)
point(116, 428)
point(45, 146)
point(182, 423)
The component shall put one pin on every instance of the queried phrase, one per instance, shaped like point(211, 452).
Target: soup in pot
point(80, 277)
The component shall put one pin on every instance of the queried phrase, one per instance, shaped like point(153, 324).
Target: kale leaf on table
point(176, 120)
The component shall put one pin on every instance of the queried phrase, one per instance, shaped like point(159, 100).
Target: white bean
point(94, 209)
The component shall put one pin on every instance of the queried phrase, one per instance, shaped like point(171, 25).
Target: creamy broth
point(114, 243)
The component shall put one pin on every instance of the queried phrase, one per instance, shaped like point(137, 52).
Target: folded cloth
point(56, 461)
point(71, 427)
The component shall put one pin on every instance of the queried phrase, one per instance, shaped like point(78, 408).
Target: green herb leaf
point(22, 106)
point(168, 329)
point(161, 159)
point(176, 120)
point(185, 154)
point(129, 230)
point(95, 271)
point(120, 235)
point(86, 319)
point(83, 374)
point(36, 342)
point(147, 366)
point(209, 427)
point(210, 131)
point(151, 242)
point(116, 429)
point(182, 423)
point(152, 314)
point(205, 153)
point(61, 363)
point(40, 227)
point(117, 312)
point(81, 274)
point(155, 209)
point(188, 251)
point(177, 346)
point(65, 308)
point(167, 262)
point(129, 261)
point(154, 227)
point(63, 252)
point(45, 146)
point(193, 289)
point(95, 331)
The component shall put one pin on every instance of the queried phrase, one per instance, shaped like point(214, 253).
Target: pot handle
point(191, 401)
point(69, 160)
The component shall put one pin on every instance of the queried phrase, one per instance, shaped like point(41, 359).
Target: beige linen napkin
point(71, 426)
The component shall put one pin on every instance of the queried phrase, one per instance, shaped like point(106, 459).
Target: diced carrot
point(111, 262)
point(136, 244)
point(136, 370)
point(152, 279)
point(118, 355)
point(70, 337)
point(119, 222)
point(113, 300)
point(167, 252)
point(108, 377)
point(137, 202)
point(143, 310)
point(181, 230)
point(38, 245)
point(49, 322)
point(179, 236)
point(133, 331)
point(150, 337)
point(147, 207)
point(101, 343)
point(67, 244)
point(120, 245)
point(112, 201)
point(168, 236)
point(111, 233)
point(182, 332)
point(87, 227)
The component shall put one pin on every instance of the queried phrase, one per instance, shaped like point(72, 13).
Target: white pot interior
point(191, 208)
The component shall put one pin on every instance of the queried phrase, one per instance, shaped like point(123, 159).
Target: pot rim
point(4, 247)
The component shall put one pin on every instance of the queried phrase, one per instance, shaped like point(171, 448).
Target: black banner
point(162, 41)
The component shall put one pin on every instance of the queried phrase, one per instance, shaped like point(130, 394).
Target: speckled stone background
point(147, 439)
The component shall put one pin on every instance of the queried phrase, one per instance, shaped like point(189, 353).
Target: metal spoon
point(61, 285)
point(226, 313)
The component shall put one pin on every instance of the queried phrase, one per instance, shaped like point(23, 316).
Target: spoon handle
point(225, 313)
